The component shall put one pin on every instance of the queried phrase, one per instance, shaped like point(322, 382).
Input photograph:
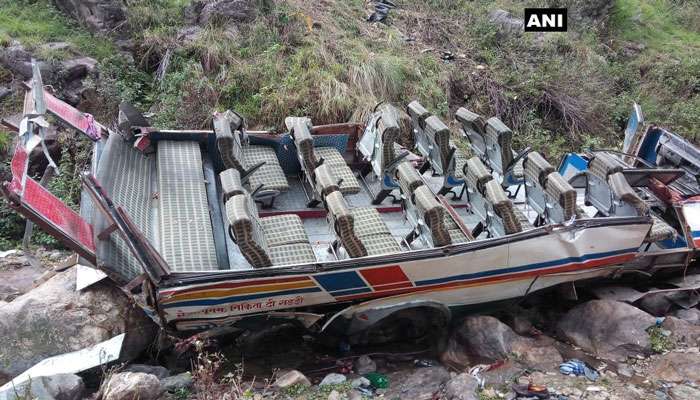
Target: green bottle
point(379, 381)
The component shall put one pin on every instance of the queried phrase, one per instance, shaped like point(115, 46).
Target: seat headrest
point(418, 113)
point(471, 122)
point(477, 174)
point(231, 184)
point(409, 178)
point(563, 193)
point(537, 168)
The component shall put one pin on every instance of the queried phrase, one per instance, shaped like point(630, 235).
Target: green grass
point(35, 22)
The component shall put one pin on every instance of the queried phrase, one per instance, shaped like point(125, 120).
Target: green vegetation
point(659, 340)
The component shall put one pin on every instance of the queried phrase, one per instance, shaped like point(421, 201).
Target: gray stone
point(682, 331)
point(227, 11)
point(607, 328)
point(507, 24)
point(290, 378)
point(333, 379)
point(55, 319)
point(131, 385)
point(334, 395)
point(103, 16)
point(360, 382)
point(160, 372)
point(656, 304)
point(18, 60)
point(462, 387)
point(677, 367)
point(685, 392)
point(691, 315)
point(77, 68)
point(189, 34)
point(55, 387)
point(364, 365)
point(175, 382)
point(354, 395)
point(485, 339)
point(420, 384)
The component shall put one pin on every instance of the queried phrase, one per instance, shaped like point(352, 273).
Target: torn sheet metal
point(675, 295)
point(72, 363)
point(618, 293)
point(86, 276)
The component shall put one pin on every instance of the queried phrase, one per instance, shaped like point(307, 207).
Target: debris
point(447, 56)
point(381, 10)
point(333, 379)
point(531, 390)
point(423, 363)
point(377, 380)
point(86, 277)
point(577, 368)
point(364, 365)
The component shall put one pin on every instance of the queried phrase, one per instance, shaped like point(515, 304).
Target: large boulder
point(54, 387)
point(18, 59)
point(485, 339)
point(420, 384)
point(676, 367)
point(682, 331)
point(462, 387)
point(99, 16)
point(55, 319)
point(131, 386)
point(607, 328)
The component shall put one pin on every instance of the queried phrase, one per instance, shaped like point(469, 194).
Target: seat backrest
point(228, 139)
point(537, 168)
point(409, 178)
point(326, 182)
point(389, 131)
point(473, 126)
point(502, 207)
point(477, 174)
point(623, 191)
point(343, 222)
point(559, 190)
point(245, 228)
point(439, 133)
point(300, 129)
point(603, 165)
point(418, 114)
point(499, 147)
point(433, 213)
point(231, 184)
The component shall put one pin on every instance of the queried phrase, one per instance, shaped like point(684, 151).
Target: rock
point(57, 46)
point(227, 11)
point(290, 378)
point(607, 328)
point(175, 382)
point(485, 339)
point(507, 24)
point(682, 331)
point(364, 365)
point(160, 372)
point(333, 379)
point(656, 304)
point(676, 367)
point(685, 392)
point(77, 68)
point(55, 387)
point(462, 387)
point(99, 16)
point(5, 92)
point(354, 395)
point(360, 382)
point(334, 395)
point(691, 315)
point(189, 34)
point(18, 60)
point(55, 319)
point(420, 384)
point(131, 385)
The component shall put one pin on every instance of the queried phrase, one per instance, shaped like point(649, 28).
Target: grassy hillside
point(559, 92)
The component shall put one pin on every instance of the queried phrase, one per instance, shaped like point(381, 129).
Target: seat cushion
point(231, 183)
point(563, 193)
point(456, 234)
point(340, 169)
point(368, 222)
point(343, 222)
point(381, 244)
point(460, 160)
point(299, 253)
point(432, 212)
point(503, 207)
point(477, 174)
point(660, 230)
point(270, 175)
point(283, 229)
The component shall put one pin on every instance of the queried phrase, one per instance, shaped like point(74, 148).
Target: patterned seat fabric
point(373, 232)
point(433, 213)
point(477, 174)
point(456, 234)
point(389, 131)
point(231, 183)
point(276, 240)
point(562, 192)
point(326, 182)
point(243, 157)
point(439, 133)
point(470, 121)
point(460, 160)
point(537, 168)
point(603, 165)
point(623, 191)
point(660, 230)
point(343, 223)
point(498, 133)
point(502, 207)
point(418, 113)
point(408, 177)
point(300, 128)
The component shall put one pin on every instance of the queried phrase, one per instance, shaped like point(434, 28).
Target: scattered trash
point(577, 368)
point(447, 56)
point(377, 380)
point(540, 392)
point(476, 370)
point(4, 254)
point(423, 363)
point(365, 391)
point(381, 10)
